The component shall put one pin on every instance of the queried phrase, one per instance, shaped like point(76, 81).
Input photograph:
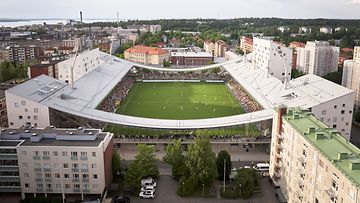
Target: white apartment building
point(304, 30)
point(23, 101)
point(75, 42)
point(310, 162)
point(56, 161)
point(84, 63)
point(155, 28)
point(318, 58)
point(283, 29)
point(326, 30)
point(273, 57)
point(351, 76)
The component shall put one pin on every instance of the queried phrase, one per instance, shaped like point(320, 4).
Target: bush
point(187, 186)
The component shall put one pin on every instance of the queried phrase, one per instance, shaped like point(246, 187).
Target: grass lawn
point(179, 101)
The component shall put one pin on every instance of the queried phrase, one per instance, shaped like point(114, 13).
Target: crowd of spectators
point(241, 95)
point(120, 91)
point(155, 75)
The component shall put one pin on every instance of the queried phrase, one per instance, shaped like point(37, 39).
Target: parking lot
point(166, 193)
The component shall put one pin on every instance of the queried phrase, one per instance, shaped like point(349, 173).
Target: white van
point(262, 167)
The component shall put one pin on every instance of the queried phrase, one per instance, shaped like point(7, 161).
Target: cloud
point(353, 2)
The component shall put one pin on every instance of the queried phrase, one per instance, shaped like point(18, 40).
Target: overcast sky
point(155, 9)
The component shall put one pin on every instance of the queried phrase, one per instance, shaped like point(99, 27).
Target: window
point(16, 104)
point(73, 153)
point(335, 106)
point(67, 186)
point(23, 103)
point(38, 165)
point(38, 175)
point(26, 110)
point(85, 176)
point(66, 175)
point(26, 175)
point(76, 186)
point(66, 165)
point(57, 186)
point(36, 110)
point(20, 117)
point(343, 105)
point(335, 185)
point(46, 153)
point(57, 175)
point(39, 186)
point(83, 154)
point(334, 126)
point(334, 119)
point(93, 165)
point(75, 165)
point(35, 118)
point(76, 176)
point(323, 112)
point(95, 186)
point(342, 111)
point(47, 165)
point(94, 154)
point(95, 176)
point(28, 117)
point(23, 153)
point(55, 153)
point(64, 153)
point(47, 175)
point(27, 185)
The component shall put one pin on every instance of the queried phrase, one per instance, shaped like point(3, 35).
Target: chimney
point(81, 16)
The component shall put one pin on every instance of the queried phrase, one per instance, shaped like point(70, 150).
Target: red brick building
point(294, 46)
point(45, 67)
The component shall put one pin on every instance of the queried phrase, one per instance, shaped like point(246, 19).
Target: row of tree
point(9, 71)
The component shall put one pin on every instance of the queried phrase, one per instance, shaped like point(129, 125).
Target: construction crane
point(72, 69)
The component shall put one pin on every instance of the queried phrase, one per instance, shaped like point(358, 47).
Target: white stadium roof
point(92, 88)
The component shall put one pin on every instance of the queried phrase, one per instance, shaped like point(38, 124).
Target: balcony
point(76, 190)
point(48, 180)
point(38, 179)
point(85, 180)
point(10, 189)
point(47, 169)
point(75, 170)
point(76, 180)
point(49, 190)
point(40, 190)
point(83, 158)
point(84, 170)
point(10, 178)
point(46, 158)
point(74, 158)
point(331, 193)
point(86, 191)
point(36, 157)
point(8, 156)
point(37, 169)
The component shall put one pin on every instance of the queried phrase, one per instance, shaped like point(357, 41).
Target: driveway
point(166, 193)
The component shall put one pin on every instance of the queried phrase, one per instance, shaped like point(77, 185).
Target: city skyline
point(159, 9)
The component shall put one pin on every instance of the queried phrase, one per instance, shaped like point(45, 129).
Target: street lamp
point(183, 183)
point(203, 189)
point(240, 190)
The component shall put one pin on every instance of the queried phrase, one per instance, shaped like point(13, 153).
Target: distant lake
point(38, 22)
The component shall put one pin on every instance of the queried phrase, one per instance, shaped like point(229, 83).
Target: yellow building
point(146, 55)
point(310, 162)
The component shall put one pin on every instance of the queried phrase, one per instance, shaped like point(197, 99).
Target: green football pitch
point(170, 100)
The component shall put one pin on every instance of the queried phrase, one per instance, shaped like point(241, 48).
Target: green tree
point(201, 161)
point(223, 155)
point(122, 48)
point(335, 77)
point(246, 181)
point(143, 166)
point(175, 158)
point(296, 73)
point(357, 116)
point(116, 163)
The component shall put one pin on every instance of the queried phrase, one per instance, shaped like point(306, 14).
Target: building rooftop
point(191, 54)
point(147, 50)
point(52, 137)
point(37, 89)
point(340, 152)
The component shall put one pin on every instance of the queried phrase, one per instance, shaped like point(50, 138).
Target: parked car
point(148, 182)
point(147, 194)
point(262, 167)
point(148, 188)
point(121, 199)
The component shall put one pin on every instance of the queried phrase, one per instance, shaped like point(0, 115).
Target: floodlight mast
point(72, 69)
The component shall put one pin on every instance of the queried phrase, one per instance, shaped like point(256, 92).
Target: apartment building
point(81, 64)
point(209, 47)
point(304, 30)
point(283, 29)
point(246, 44)
point(318, 58)
point(310, 162)
point(55, 161)
point(21, 54)
point(294, 46)
point(4, 55)
point(147, 55)
point(220, 47)
point(154, 28)
point(351, 75)
point(3, 111)
point(76, 43)
point(273, 57)
point(326, 30)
